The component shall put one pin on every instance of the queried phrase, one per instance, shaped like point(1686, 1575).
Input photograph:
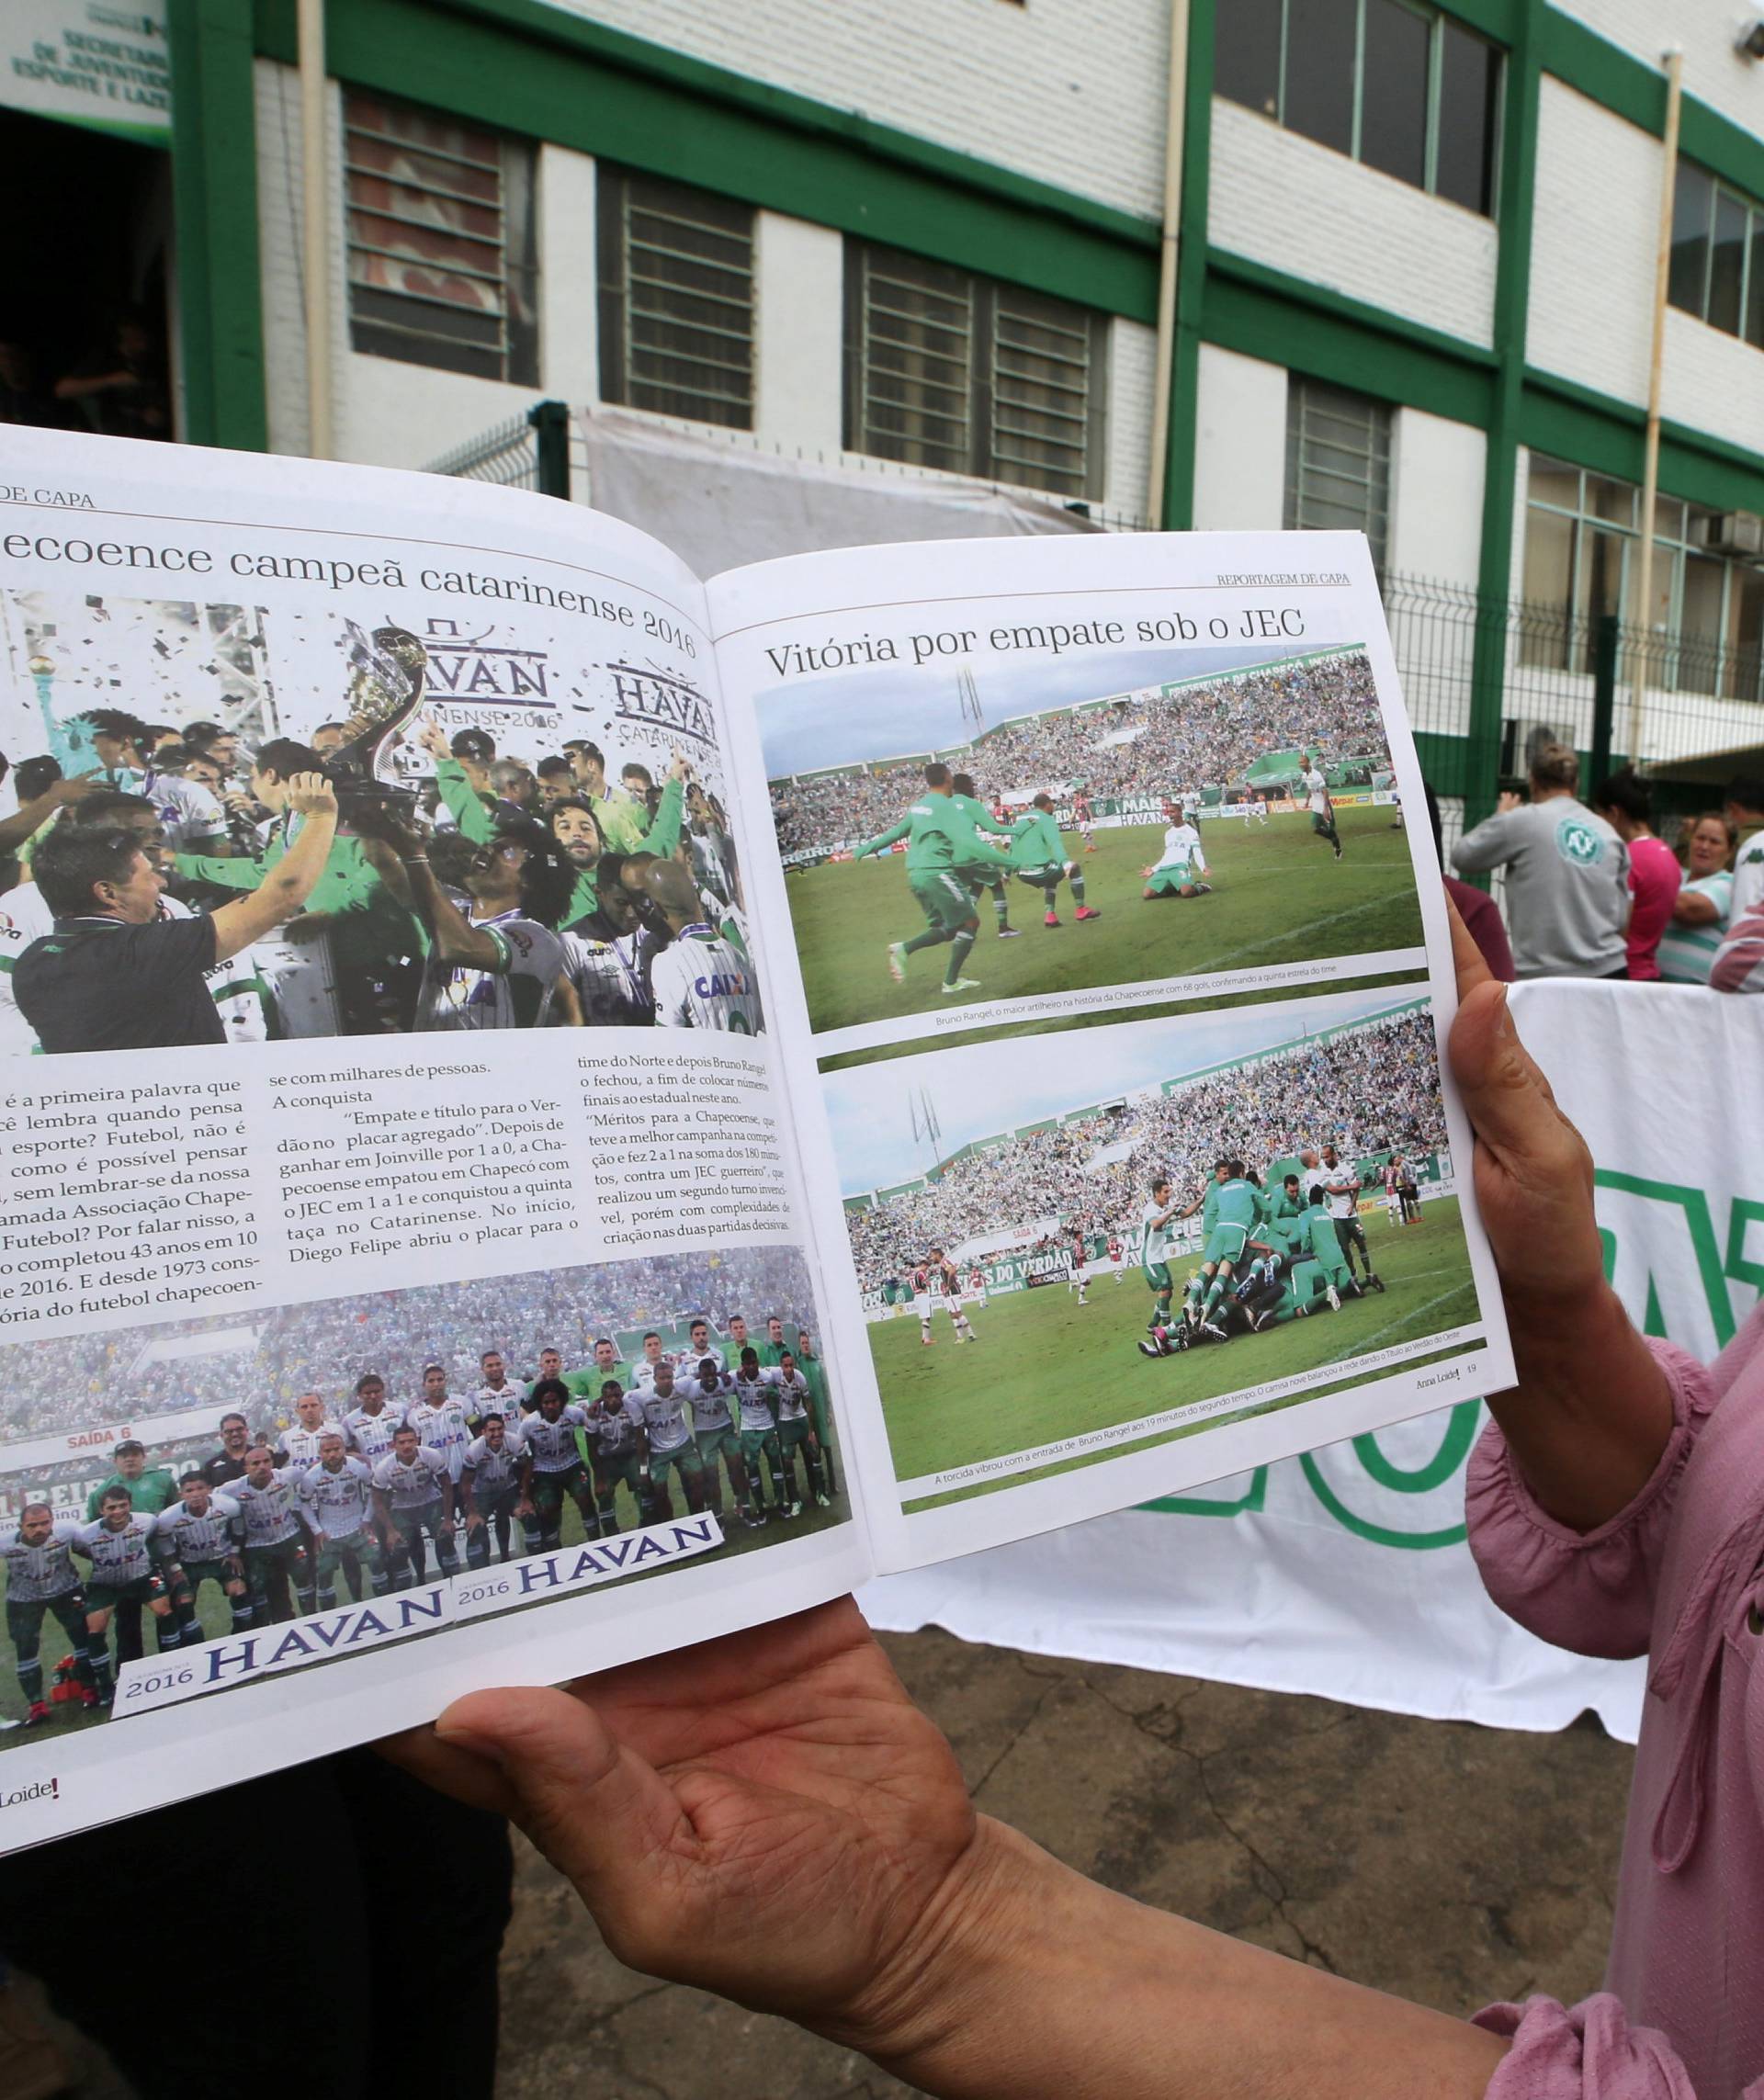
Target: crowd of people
point(1371, 1089)
point(66, 1382)
point(1147, 743)
point(164, 886)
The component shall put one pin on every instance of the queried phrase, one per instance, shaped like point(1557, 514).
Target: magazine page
point(397, 1171)
point(1125, 970)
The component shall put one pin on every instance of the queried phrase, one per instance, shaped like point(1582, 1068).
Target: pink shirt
point(1653, 878)
point(1676, 1576)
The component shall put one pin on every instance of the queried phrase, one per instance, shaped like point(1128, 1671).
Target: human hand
point(307, 927)
point(768, 1816)
point(432, 736)
point(311, 794)
point(1507, 800)
point(681, 770)
point(75, 789)
point(1533, 1171)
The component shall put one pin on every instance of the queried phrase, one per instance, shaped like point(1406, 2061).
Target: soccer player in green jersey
point(150, 1489)
point(1038, 858)
point(1235, 1205)
point(967, 798)
point(940, 839)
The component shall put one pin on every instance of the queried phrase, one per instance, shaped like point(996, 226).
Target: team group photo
point(1061, 1236)
point(218, 827)
point(163, 1488)
point(1060, 832)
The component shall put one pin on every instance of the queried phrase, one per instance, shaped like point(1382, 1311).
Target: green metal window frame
point(1541, 643)
point(1311, 482)
point(1437, 20)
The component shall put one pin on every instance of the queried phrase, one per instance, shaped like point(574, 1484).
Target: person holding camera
point(1567, 874)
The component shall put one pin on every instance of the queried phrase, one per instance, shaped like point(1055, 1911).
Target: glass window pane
point(1700, 625)
point(1727, 263)
point(1337, 463)
point(1549, 481)
point(1693, 200)
point(1393, 96)
point(679, 263)
point(1614, 502)
point(1669, 517)
point(1754, 284)
point(1549, 582)
point(1469, 99)
point(1320, 36)
point(1246, 54)
point(1601, 573)
point(1744, 633)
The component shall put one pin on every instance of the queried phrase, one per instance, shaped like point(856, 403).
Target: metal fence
point(1485, 679)
point(530, 451)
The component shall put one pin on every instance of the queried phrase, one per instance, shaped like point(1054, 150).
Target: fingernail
point(473, 1745)
point(1506, 1026)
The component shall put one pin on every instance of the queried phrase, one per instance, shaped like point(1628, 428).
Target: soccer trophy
point(386, 674)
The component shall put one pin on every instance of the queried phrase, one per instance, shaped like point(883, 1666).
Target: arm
point(31, 816)
point(235, 872)
point(664, 835)
point(1590, 1415)
point(883, 840)
point(456, 940)
point(1694, 908)
point(286, 887)
point(474, 820)
point(1488, 846)
point(1739, 961)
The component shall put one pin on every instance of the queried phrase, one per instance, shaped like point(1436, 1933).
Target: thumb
point(598, 1812)
point(1506, 1095)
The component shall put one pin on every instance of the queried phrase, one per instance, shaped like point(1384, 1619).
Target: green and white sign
point(99, 62)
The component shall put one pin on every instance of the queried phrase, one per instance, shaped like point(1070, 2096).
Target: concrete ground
point(1449, 1863)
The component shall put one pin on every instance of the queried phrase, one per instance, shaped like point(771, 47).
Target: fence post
point(550, 421)
point(1605, 632)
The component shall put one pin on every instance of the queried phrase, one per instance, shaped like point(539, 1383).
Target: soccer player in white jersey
point(920, 1282)
point(198, 1541)
point(298, 1447)
point(1118, 1257)
point(1322, 808)
point(1078, 1274)
point(275, 1538)
point(668, 1426)
point(413, 1499)
point(613, 1422)
point(119, 1547)
point(41, 1579)
point(441, 1422)
point(796, 1431)
point(1341, 1192)
point(370, 1425)
point(1311, 1173)
point(490, 1485)
point(708, 1390)
point(1178, 870)
point(653, 1356)
point(552, 1465)
point(506, 965)
point(1156, 1234)
point(1393, 1177)
point(700, 980)
point(337, 1501)
point(497, 1394)
point(1255, 810)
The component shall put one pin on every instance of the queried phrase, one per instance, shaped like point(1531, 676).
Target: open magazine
point(552, 1109)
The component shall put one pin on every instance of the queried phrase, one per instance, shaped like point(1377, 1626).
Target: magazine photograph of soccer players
point(186, 1507)
point(1074, 1246)
point(958, 834)
point(339, 832)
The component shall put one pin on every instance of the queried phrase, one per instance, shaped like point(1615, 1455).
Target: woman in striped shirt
point(1700, 916)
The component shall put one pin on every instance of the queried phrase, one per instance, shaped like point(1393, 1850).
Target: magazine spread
point(552, 1110)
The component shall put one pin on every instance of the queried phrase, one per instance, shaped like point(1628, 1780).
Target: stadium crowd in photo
point(164, 884)
point(1259, 799)
point(1277, 1214)
point(359, 1446)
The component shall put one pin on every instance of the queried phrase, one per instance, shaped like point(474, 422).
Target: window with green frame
point(1395, 84)
point(1717, 255)
point(1337, 463)
point(1583, 549)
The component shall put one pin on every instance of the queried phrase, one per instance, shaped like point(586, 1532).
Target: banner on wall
point(101, 63)
point(1345, 1573)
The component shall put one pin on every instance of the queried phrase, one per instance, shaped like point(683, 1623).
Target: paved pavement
point(1451, 1863)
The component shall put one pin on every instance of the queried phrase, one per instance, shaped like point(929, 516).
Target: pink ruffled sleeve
point(1588, 2051)
point(1591, 1592)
